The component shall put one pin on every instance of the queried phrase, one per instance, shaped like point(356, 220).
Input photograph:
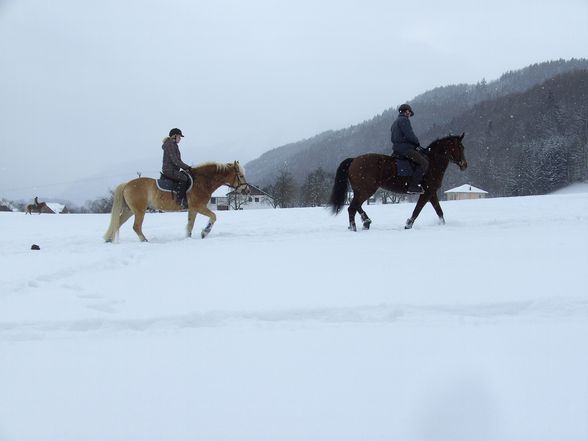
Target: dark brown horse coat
point(367, 173)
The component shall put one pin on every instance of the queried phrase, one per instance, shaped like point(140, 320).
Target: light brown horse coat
point(136, 196)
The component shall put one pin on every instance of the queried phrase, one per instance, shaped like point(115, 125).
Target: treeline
point(527, 143)
point(314, 191)
point(526, 133)
point(102, 204)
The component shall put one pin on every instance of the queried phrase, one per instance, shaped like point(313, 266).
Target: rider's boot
point(181, 197)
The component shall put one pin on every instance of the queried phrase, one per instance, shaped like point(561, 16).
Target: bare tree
point(389, 197)
point(237, 200)
point(101, 205)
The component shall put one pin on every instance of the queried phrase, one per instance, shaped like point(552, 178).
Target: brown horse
point(367, 173)
point(136, 196)
point(37, 207)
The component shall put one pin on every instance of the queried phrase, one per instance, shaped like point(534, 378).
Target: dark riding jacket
point(402, 137)
point(172, 160)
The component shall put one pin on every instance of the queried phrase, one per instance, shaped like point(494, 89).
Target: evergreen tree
point(284, 189)
point(316, 189)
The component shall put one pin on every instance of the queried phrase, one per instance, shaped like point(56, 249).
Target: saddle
point(404, 167)
point(165, 183)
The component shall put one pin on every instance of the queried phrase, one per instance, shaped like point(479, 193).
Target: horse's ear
point(462, 135)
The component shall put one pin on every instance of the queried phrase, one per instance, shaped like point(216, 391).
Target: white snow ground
point(282, 325)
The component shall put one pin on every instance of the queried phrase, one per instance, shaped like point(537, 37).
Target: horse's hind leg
point(364, 218)
point(354, 207)
point(125, 215)
point(139, 216)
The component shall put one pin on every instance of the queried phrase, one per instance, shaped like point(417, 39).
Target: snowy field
point(282, 325)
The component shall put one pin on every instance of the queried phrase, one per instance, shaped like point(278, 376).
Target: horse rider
point(173, 164)
point(406, 144)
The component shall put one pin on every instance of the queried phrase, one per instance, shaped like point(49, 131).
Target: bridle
point(460, 163)
point(240, 182)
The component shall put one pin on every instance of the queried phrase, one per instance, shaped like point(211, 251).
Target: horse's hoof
point(441, 221)
point(409, 223)
point(352, 228)
point(366, 224)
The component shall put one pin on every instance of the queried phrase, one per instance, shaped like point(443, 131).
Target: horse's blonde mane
point(219, 167)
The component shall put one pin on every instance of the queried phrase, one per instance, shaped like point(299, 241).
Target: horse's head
point(236, 178)
point(453, 148)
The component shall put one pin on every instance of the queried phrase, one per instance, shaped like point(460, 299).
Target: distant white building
point(256, 199)
point(465, 191)
point(219, 199)
point(226, 199)
point(55, 208)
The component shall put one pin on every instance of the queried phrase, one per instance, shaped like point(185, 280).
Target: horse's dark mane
point(440, 141)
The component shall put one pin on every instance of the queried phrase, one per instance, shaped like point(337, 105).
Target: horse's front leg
point(190, 225)
point(211, 220)
point(437, 206)
point(423, 199)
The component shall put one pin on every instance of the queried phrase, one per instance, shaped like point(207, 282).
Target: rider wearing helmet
point(405, 143)
point(173, 164)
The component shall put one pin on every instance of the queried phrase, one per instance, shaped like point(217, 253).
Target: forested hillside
point(526, 133)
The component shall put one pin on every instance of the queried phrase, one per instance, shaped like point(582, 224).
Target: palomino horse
point(367, 173)
point(134, 197)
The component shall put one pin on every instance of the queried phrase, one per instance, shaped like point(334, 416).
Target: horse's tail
point(339, 192)
point(118, 205)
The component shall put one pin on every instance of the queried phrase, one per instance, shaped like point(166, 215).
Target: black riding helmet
point(173, 132)
point(404, 108)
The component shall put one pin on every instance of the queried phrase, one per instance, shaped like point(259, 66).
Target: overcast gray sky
point(88, 87)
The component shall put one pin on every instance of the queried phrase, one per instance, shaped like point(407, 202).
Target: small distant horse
point(37, 207)
point(367, 173)
point(136, 196)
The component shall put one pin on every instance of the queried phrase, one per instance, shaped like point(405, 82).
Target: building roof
point(56, 207)
point(220, 192)
point(466, 188)
point(255, 191)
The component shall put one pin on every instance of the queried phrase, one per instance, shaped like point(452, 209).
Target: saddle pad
point(166, 184)
point(404, 167)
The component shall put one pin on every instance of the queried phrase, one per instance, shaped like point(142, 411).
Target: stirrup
point(417, 189)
